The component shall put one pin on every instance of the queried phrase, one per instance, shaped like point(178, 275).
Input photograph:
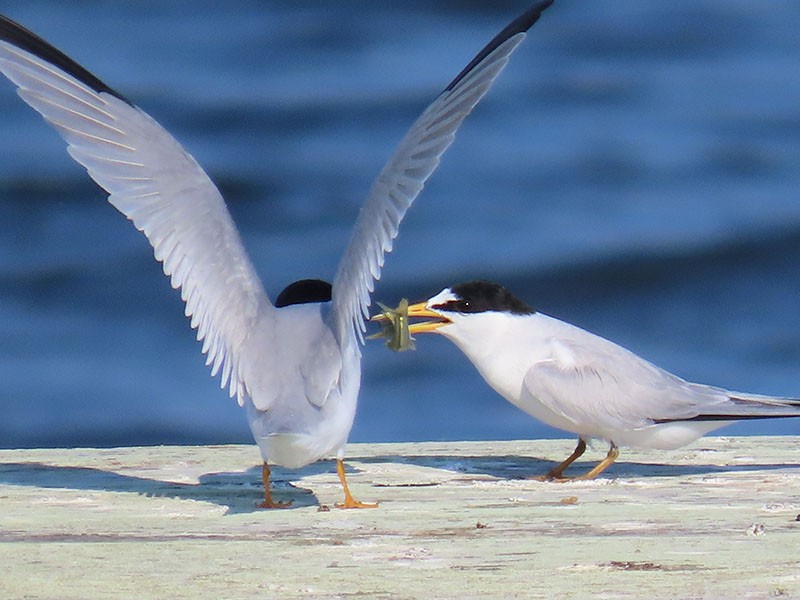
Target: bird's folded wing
point(403, 177)
point(605, 387)
point(153, 181)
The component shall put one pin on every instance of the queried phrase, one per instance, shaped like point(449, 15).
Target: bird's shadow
point(237, 492)
point(515, 466)
point(241, 492)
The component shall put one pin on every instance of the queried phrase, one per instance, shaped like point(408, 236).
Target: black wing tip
point(519, 25)
point(725, 418)
point(24, 39)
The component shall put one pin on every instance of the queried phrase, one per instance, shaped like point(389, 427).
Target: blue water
point(636, 170)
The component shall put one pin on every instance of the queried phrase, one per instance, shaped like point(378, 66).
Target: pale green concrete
point(717, 519)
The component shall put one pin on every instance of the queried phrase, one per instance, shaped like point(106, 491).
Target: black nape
point(304, 291)
point(484, 296)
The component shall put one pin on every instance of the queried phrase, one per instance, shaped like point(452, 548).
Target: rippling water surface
point(636, 170)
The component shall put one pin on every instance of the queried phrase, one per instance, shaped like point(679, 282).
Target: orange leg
point(268, 501)
point(558, 472)
point(613, 453)
point(349, 501)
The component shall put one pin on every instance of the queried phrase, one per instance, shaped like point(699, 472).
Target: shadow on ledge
point(240, 492)
point(514, 466)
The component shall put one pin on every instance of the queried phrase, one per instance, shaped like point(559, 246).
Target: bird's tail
point(741, 406)
point(722, 405)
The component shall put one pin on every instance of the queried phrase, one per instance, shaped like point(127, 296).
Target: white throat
point(487, 341)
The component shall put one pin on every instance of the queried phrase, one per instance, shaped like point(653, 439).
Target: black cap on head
point(485, 296)
point(304, 291)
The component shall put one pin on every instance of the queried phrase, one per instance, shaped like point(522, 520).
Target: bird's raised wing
point(403, 177)
point(153, 181)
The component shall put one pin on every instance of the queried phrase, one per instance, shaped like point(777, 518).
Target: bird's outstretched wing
point(152, 180)
point(403, 177)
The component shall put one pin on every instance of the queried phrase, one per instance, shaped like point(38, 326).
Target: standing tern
point(577, 381)
point(294, 365)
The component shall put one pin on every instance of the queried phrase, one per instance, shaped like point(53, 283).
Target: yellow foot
point(349, 501)
point(268, 501)
point(557, 472)
point(556, 475)
point(352, 503)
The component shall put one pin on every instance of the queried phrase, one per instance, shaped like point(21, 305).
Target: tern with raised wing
point(293, 364)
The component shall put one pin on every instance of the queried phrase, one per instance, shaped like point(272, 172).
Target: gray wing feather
point(602, 385)
point(404, 176)
point(159, 187)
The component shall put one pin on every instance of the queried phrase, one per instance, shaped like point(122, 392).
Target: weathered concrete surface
point(457, 520)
